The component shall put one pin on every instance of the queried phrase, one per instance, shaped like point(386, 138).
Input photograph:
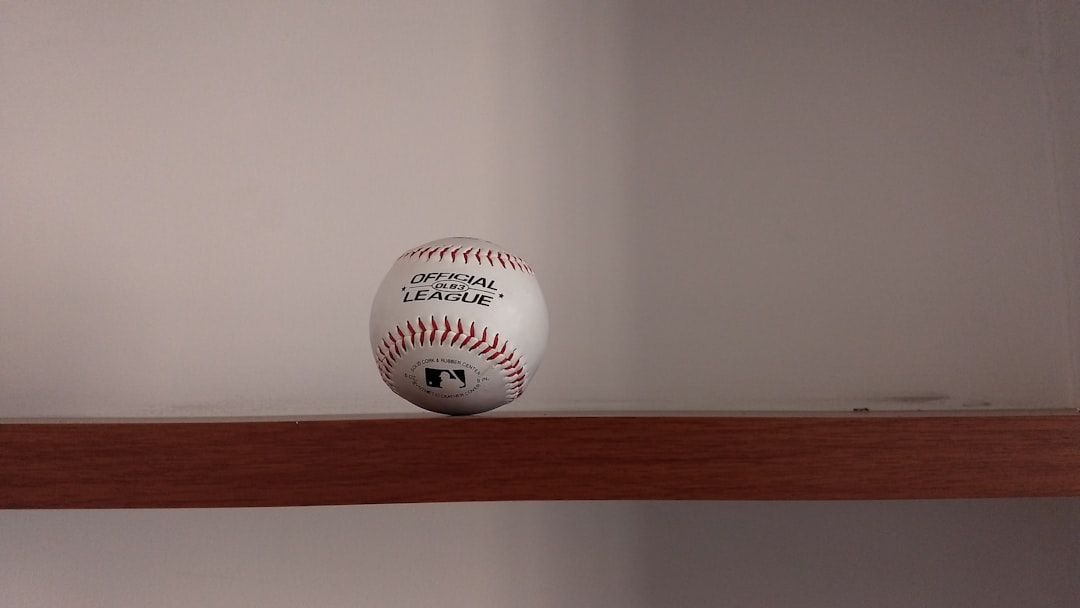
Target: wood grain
point(402, 460)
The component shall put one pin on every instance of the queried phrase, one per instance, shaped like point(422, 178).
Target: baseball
point(458, 326)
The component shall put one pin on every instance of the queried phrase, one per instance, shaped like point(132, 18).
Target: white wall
point(757, 205)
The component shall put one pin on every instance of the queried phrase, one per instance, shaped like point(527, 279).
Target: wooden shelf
point(313, 461)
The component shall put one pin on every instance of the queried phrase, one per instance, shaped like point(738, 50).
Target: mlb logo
point(434, 376)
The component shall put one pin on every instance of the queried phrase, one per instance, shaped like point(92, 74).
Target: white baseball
point(458, 326)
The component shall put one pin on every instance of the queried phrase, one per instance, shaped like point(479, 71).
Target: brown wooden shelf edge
point(264, 463)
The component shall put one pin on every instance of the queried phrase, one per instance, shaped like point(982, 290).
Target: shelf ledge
point(641, 456)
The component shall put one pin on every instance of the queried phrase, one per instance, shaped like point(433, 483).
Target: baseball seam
point(400, 340)
point(466, 254)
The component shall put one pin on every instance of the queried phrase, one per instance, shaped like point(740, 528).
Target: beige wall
point(996, 554)
point(730, 205)
point(1061, 48)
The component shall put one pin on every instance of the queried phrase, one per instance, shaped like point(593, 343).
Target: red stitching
point(412, 333)
point(392, 348)
point(481, 256)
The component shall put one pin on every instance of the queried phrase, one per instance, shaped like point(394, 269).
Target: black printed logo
point(434, 377)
